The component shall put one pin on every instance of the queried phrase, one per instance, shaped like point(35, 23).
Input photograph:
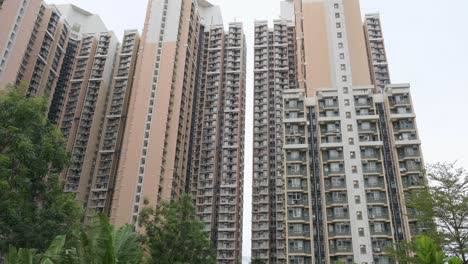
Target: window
point(337, 196)
point(378, 227)
point(343, 67)
point(339, 211)
point(363, 249)
point(346, 102)
point(338, 25)
point(295, 183)
point(339, 35)
point(337, 181)
point(344, 78)
point(342, 56)
point(337, 6)
point(356, 184)
point(337, 15)
point(352, 154)
point(345, 90)
point(359, 215)
point(350, 127)
point(340, 45)
point(335, 167)
point(354, 169)
point(357, 200)
point(361, 232)
point(351, 141)
point(297, 212)
point(348, 115)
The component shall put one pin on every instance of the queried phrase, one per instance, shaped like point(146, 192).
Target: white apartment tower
point(350, 151)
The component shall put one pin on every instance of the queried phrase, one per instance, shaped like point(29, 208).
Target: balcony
point(292, 187)
point(334, 186)
point(336, 217)
point(333, 172)
point(413, 183)
point(298, 201)
point(341, 250)
point(293, 172)
point(298, 250)
point(334, 201)
point(383, 232)
point(337, 233)
point(294, 233)
point(372, 170)
point(337, 157)
point(298, 218)
point(300, 158)
point(374, 184)
point(371, 155)
point(367, 130)
point(331, 139)
point(380, 200)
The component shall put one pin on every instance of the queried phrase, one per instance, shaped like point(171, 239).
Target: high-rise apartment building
point(217, 165)
point(347, 152)
point(145, 120)
point(35, 47)
point(275, 72)
point(20, 21)
point(103, 178)
point(185, 125)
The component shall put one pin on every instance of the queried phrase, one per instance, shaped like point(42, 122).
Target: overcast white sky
point(426, 42)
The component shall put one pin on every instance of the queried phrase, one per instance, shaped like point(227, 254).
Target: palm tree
point(97, 243)
point(100, 243)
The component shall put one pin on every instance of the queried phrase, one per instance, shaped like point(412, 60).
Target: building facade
point(20, 19)
point(351, 153)
point(217, 169)
point(274, 72)
point(185, 123)
point(143, 120)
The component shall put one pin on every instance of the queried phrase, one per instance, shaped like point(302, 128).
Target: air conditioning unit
point(377, 250)
point(417, 160)
point(364, 162)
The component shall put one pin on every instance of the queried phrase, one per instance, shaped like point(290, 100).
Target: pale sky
point(426, 41)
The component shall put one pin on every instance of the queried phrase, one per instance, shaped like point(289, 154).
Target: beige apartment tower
point(343, 145)
point(185, 121)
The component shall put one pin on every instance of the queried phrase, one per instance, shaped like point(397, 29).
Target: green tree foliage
point(175, 235)
point(425, 250)
point(98, 243)
point(33, 207)
point(443, 206)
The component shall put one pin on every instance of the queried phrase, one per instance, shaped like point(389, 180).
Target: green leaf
point(56, 248)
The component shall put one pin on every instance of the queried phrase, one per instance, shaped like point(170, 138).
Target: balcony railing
point(371, 199)
point(337, 250)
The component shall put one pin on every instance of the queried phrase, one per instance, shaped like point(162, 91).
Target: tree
point(31, 256)
point(175, 235)
point(425, 250)
point(444, 205)
point(98, 243)
point(33, 207)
